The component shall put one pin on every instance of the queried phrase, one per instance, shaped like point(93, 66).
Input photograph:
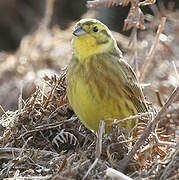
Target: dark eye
point(95, 29)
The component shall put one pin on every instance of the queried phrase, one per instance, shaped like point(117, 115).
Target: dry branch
point(114, 174)
point(151, 126)
point(152, 50)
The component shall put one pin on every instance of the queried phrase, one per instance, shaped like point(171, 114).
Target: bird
point(100, 84)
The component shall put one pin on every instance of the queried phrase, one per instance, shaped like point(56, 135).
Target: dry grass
point(41, 138)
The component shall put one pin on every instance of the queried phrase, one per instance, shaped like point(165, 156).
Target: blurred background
point(20, 17)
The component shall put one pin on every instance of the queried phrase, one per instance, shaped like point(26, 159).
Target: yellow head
point(91, 37)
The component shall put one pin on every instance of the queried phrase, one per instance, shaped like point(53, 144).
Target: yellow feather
point(100, 84)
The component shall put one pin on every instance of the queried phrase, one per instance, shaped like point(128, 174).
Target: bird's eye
point(95, 29)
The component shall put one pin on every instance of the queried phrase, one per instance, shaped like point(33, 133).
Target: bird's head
point(91, 37)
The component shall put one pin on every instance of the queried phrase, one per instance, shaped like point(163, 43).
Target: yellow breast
point(94, 93)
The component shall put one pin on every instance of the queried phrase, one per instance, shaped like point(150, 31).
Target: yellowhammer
point(101, 85)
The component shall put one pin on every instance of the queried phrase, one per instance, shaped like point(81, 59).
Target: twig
point(110, 3)
point(48, 13)
point(11, 164)
point(114, 174)
point(100, 3)
point(30, 177)
point(18, 150)
point(4, 111)
point(46, 126)
point(20, 105)
point(160, 100)
point(130, 118)
point(98, 147)
point(163, 142)
point(16, 174)
point(151, 126)
point(152, 50)
point(23, 147)
point(173, 161)
point(50, 95)
point(43, 92)
point(133, 43)
point(100, 136)
point(5, 135)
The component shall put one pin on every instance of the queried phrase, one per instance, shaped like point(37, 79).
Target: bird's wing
point(132, 87)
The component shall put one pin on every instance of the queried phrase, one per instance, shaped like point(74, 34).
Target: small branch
point(102, 3)
point(131, 117)
point(114, 174)
point(152, 50)
point(19, 150)
point(50, 95)
point(160, 100)
point(46, 126)
point(23, 147)
point(19, 157)
point(4, 111)
point(20, 100)
point(91, 167)
point(31, 177)
point(163, 142)
point(165, 107)
point(48, 13)
point(110, 3)
point(151, 126)
point(99, 139)
point(98, 148)
point(173, 163)
point(133, 43)
point(147, 2)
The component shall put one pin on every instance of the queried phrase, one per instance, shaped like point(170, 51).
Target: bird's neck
point(85, 47)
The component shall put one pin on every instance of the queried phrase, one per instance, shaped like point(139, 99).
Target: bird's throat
point(85, 47)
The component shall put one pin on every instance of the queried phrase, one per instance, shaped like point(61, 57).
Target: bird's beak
point(79, 31)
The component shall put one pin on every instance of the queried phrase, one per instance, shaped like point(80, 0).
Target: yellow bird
point(101, 85)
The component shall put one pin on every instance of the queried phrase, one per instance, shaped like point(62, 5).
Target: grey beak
point(79, 31)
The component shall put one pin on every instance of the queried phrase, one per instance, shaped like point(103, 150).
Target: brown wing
point(132, 87)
